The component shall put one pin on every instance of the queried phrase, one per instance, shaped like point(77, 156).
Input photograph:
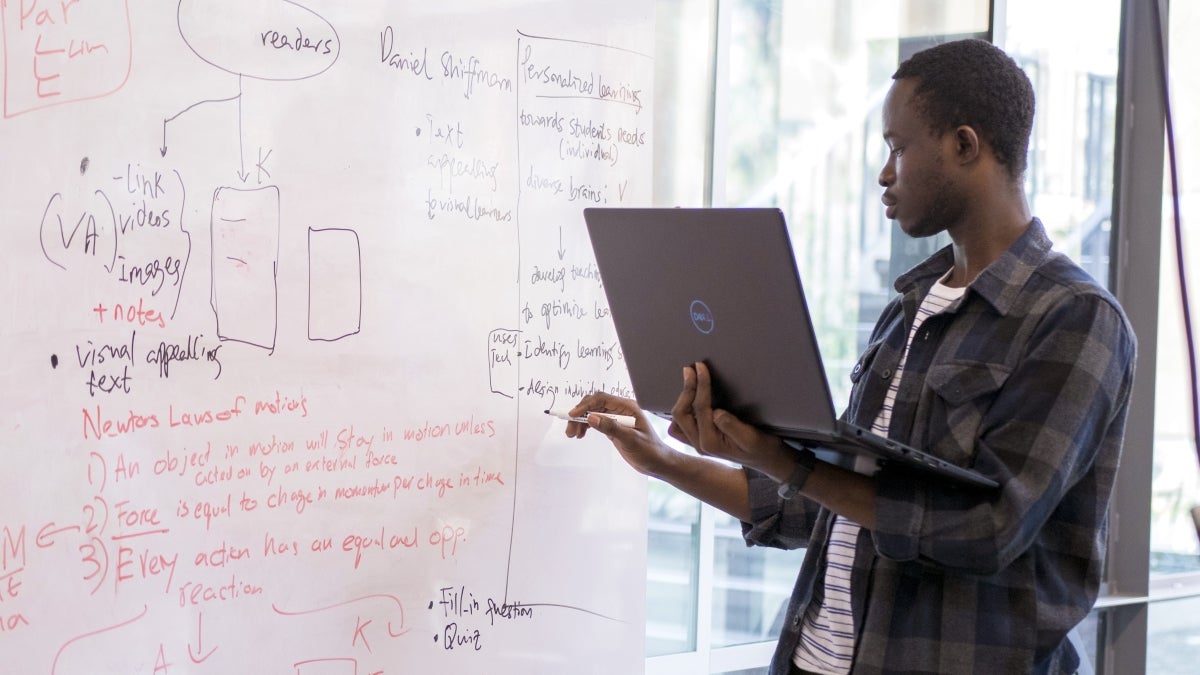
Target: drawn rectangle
point(245, 261)
point(334, 283)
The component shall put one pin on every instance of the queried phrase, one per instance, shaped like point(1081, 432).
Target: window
point(1174, 640)
point(794, 122)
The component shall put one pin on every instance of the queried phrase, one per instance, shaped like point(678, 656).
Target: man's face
point(919, 193)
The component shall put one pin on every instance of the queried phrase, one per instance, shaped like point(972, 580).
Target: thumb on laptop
point(746, 437)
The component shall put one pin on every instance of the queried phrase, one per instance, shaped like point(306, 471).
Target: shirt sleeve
point(777, 522)
point(1050, 437)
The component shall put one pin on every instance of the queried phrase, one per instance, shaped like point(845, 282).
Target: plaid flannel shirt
point(1026, 379)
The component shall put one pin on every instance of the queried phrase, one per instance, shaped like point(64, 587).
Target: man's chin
point(918, 230)
point(908, 227)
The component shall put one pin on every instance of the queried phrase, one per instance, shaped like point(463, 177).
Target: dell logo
point(702, 317)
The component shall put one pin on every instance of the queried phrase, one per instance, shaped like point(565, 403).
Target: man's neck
point(982, 238)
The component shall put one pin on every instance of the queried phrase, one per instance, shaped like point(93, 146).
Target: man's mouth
point(890, 203)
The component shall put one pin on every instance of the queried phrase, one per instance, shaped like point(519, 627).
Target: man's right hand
point(639, 446)
point(706, 479)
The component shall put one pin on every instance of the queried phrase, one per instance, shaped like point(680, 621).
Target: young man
point(998, 354)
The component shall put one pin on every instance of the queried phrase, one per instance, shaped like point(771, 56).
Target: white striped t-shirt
point(827, 634)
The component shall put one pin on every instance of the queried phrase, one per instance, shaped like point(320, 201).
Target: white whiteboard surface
point(287, 287)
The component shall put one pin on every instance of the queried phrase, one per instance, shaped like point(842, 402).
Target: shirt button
point(857, 369)
point(886, 374)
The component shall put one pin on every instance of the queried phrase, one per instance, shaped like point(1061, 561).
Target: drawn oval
point(276, 40)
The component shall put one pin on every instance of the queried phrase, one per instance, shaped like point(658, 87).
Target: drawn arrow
point(242, 174)
point(162, 149)
point(199, 642)
point(561, 251)
point(391, 632)
point(241, 152)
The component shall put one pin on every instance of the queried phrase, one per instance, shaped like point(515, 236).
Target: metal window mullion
point(1136, 241)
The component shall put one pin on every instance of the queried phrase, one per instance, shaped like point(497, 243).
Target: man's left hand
point(719, 433)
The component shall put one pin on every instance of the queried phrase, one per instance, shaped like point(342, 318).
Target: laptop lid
point(720, 285)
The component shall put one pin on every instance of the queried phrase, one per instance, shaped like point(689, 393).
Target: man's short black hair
point(974, 83)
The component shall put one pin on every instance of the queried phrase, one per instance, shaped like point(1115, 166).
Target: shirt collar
point(1000, 282)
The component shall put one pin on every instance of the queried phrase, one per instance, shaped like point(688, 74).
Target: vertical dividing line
point(512, 527)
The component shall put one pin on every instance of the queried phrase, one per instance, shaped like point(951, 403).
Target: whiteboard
point(287, 289)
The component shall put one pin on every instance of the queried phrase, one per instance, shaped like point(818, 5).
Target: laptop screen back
point(718, 286)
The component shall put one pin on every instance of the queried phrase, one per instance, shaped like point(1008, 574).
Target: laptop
point(721, 286)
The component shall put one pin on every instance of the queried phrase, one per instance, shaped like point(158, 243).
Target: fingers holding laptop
point(692, 416)
point(718, 433)
point(683, 419)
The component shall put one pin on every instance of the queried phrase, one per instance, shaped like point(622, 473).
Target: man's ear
point(966, 144)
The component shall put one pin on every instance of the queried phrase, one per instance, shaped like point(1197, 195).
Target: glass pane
point(685, 41)
point(806, 85)
point(1176, 487)
point(1069, 180)
point(751, 587)
point(1173, 637)
point(672, 554)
